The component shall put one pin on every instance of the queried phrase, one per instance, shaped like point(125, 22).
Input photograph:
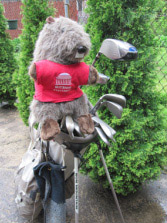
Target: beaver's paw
point(49, 129)
point(86, 124)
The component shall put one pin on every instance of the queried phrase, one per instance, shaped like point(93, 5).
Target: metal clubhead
point(118, 50)
point(102, 135)
point(115, 108)
point(70, 126)
point(102, 79)
point(119, 99)
point(115, 98)
point(77, 129)
point(110, 132)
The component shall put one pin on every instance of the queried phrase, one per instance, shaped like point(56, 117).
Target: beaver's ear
point(50, 20)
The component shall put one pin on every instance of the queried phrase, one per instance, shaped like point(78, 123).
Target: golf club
point(118, 99)
point(102, 135)
point(77, 129)
point(70, 126)
point(115, 108)
point(118, 50)
point(106, 128)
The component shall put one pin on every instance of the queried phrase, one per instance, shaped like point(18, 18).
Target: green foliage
point(7, 63)
point(34, 13)
point(161, 41)
point(160, 27)
point(141, 143)
point(16, 46)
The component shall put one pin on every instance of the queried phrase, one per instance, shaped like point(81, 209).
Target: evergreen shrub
point(34, 13)
point(7, 63)
point(141, 143)
point(16, 46)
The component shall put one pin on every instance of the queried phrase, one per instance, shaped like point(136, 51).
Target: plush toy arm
point(93, 75)
point(32, 71)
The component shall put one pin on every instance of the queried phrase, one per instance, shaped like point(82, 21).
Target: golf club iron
point(77, 129)
point(70, 126)
point(118, 99)
point(110, 132)
point(115, 108)
point(102, 135)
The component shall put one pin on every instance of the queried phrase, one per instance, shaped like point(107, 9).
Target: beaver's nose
point(81, 49)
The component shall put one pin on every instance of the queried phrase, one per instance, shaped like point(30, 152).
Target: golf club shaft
point(110, 182)
point(76, 164)
point(97, 57)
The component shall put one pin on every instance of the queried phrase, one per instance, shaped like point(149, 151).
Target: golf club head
point(118, 50)
point(102, 79)
point(110, 132)
point(70, 126)
point(115, 108)
point(119, 99)
point(77, 129)
point(102, 135)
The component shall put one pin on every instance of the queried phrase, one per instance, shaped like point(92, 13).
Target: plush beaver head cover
point(63, 41)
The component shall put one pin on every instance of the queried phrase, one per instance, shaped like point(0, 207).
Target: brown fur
point(93, 75)
point(86, 124)
point(32, 71)
point(50, 129)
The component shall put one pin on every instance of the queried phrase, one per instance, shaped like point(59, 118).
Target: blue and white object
point(118, 50)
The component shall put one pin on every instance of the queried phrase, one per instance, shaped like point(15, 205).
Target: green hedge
point(141, 143)
point(34, 13)
point(7, 63)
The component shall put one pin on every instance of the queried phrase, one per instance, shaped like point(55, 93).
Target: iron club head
point(77, 129)
point(106, 128)
point(102, 135)
point(70, 126)
point(116, 98)
point(115, 108)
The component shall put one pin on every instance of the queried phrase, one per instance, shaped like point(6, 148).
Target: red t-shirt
point(59, 83)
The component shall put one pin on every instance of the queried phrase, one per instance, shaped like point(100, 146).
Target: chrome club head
point(102, 79)
point(113, 98)
point(119, 99)
point(102, 135)
point(77, 129)
point(110, 132)
point(118, 50)
point(115, 108)
point(70, 126)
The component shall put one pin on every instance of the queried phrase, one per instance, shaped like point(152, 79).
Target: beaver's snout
point(81, 49)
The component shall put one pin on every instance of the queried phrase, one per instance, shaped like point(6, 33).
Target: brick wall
point(59, 5)
point(12, 12)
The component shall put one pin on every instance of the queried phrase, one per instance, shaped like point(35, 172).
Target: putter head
point(118, 50)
